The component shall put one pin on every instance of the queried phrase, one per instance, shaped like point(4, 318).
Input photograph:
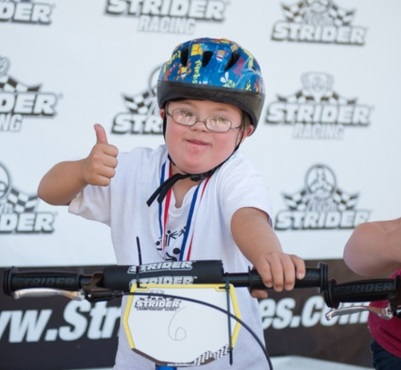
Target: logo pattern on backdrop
point(317, 111)
point(320, 204)
point(25, 12)
point(18, 100)
point(18, 213)
point(318, 21)
point(143, 116)
point(169, 16)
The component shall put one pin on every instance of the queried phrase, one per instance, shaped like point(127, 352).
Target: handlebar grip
point(314, 278)
point(167, 272)
point(360, 291)
point(15, 280)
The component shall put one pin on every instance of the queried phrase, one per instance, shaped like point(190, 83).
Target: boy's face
point(195, 149)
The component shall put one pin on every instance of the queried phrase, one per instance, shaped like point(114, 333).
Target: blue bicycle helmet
point(213, 69)
point(209, 69)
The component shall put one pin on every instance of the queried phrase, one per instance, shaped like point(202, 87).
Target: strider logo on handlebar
point(164, 267)
point(166, 280)
point(161, 266)
point(48, 281)
point(367, 288)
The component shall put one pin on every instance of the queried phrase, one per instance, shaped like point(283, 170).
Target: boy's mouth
point(197, 142)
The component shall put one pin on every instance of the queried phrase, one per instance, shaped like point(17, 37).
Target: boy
point(196, 197)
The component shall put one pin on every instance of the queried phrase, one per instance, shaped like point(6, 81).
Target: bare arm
point(66, 179)
point(259, 243)
point(374, 247)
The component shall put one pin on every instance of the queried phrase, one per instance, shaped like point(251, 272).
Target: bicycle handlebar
point(116, 281)
point(120, 278)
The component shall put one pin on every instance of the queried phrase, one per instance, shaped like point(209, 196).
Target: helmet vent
point(184, 56)
point(207, 55)
point(233, 59)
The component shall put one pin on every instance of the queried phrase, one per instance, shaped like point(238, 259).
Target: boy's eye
point(185, 113)
point(218, 120)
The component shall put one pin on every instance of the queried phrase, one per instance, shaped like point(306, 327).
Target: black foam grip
point(15, 280)
point(167, 272)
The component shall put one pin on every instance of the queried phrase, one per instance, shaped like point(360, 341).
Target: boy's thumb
point(101, 137)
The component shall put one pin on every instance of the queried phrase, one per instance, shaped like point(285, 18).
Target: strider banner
point(326, 143)
point(79, 334)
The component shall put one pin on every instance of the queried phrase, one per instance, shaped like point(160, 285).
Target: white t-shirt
point(207, 232)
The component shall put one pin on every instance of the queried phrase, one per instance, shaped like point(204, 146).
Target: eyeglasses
point(186, 117)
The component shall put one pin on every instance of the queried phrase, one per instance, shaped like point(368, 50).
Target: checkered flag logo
point(298, 201)
point(302, 200)
point(316, 11)
point(317, 89)
point(340, 16)
point(143, 103)
point(294, 13)
point(345, 201)
point(9, 84)
point(22, 202)
point(303, 96)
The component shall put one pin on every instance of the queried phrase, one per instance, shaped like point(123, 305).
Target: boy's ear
point(162, 113)
point(248, 132)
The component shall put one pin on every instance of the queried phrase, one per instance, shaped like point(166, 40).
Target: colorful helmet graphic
point(213, 69)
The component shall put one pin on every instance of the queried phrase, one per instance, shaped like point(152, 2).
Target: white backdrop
point(327, 141)
point(88, 59)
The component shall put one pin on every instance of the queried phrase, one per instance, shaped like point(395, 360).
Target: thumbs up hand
point(99, 166)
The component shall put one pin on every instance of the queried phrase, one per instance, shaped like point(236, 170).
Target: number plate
point(170, 324)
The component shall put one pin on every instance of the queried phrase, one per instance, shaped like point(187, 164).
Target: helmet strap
point(164, 188)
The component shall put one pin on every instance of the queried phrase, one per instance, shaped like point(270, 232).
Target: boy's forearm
point(62, 183)
point(253, 234)
point(259, 243)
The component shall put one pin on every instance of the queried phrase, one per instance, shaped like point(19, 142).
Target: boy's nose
point(200, 126)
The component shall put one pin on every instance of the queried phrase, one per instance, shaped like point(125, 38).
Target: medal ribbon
point(163, 214)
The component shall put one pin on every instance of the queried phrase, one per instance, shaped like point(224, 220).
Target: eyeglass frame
point(171, 114)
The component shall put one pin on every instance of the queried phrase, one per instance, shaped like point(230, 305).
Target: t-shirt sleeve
point(92, 203)
point(242, 185)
